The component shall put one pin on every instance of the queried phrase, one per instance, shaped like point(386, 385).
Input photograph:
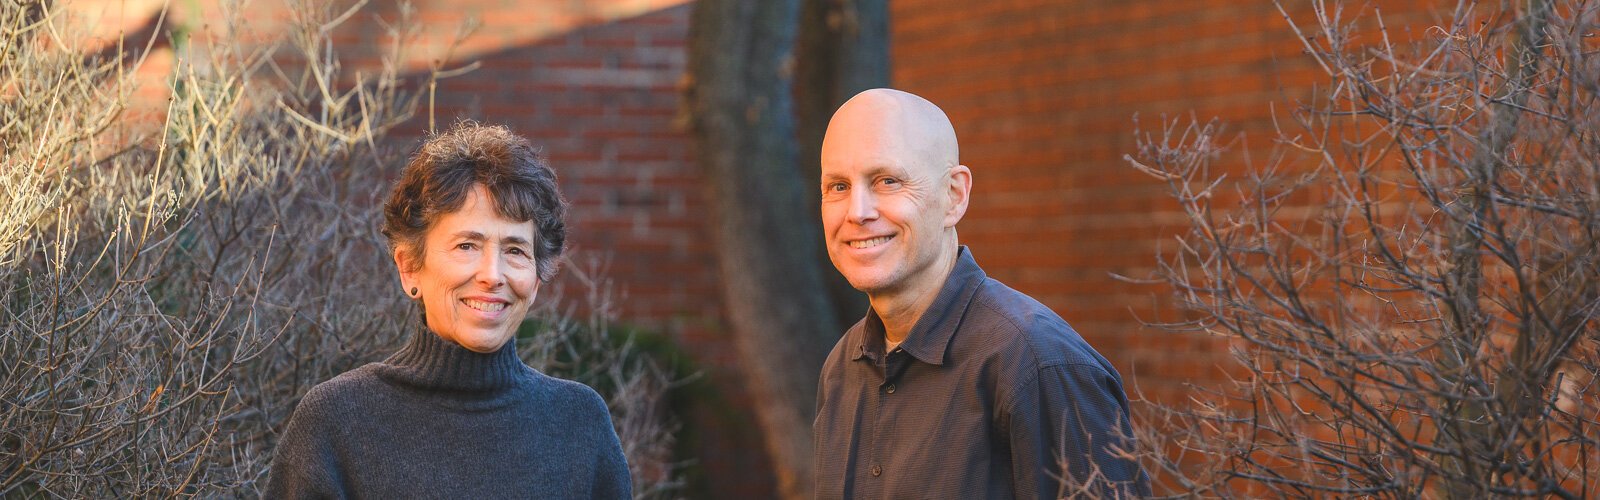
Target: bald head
point(896, 120)
point(892, 193)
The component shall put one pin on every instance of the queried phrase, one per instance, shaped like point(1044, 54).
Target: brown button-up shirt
point(991, 395)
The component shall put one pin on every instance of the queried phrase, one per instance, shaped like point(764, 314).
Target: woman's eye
point(516, 251)
point(465, 246)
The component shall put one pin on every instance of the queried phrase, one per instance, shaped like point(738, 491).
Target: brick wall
point(595, 84)
point(1043, 95)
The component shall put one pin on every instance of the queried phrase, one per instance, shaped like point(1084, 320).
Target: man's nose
point(863, 206)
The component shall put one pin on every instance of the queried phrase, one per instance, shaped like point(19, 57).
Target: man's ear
point(402, 263)
point(960, 179)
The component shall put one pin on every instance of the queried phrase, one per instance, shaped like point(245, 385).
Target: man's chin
point(868, 284)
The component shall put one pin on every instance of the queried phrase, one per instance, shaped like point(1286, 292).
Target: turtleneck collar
point(432, 363)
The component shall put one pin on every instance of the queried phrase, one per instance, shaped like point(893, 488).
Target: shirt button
point(891, 389)
point(877, 470)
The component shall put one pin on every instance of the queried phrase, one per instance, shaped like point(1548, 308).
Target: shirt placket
point(886, 410)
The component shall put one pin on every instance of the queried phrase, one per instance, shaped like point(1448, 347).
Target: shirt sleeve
point(1067, 426)
point(304, 465)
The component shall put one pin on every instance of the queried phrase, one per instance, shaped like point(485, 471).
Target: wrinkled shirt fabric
point(991, 395)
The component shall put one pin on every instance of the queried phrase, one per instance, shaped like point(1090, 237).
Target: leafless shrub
point(168, 289)
point(1411, 283)
point(577, 337)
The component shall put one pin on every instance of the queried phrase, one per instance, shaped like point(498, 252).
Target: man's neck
point(901, 309)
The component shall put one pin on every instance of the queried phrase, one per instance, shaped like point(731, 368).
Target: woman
point(476, 224)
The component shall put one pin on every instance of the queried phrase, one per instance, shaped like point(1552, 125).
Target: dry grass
point(169, 288)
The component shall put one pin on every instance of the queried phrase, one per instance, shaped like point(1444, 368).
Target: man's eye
point(888, 181)
point(836, 187)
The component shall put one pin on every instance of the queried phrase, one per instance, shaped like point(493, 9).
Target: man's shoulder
point(844, 344)
point(1028, 325)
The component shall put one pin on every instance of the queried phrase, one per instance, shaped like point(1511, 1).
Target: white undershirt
point(890, 345)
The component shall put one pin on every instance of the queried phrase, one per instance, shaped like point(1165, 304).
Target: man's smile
point(869, 242)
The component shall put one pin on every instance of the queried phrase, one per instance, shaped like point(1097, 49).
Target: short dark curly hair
point(444, 170)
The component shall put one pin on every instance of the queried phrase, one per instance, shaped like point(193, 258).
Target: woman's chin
point(480, 342)
point(484, 345)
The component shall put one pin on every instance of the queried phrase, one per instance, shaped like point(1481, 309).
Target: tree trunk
point(1475, 433)
point(843, 50)
point(772, 283)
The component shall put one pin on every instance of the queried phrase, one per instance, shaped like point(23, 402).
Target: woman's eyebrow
point(477, 236)
point(515, 240)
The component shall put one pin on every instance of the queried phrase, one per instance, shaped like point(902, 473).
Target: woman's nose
point(491, 269)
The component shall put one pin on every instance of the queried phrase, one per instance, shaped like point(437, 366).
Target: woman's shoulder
point(332, 397)
point(567, 394)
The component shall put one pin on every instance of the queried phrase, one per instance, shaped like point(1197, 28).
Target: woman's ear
point(402, 263)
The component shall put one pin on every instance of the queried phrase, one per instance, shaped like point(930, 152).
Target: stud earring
point(413, 292)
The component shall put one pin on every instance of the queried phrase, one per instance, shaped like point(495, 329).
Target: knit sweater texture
point(436, 420)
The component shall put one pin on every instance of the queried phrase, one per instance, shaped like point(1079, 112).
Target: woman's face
point(478, 276)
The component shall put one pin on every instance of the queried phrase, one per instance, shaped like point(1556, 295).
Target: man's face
point(885, 211)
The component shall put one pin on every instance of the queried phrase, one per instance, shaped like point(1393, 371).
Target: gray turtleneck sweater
point(436, 420)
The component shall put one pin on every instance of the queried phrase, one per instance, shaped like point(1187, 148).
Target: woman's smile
point(478, 276)
point(491, 305)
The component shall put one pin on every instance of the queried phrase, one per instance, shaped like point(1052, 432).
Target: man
point(953, 386)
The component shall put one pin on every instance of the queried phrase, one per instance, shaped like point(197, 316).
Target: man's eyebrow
point(874, 170)
point(886, 169)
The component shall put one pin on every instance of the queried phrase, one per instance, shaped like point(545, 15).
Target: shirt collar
point(931, 336)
